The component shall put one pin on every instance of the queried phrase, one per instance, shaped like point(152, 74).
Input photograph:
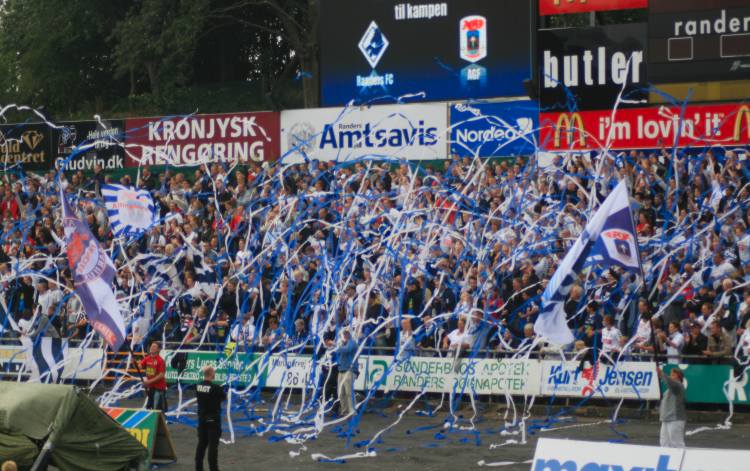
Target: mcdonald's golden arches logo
point(744, 112)
point(569, 124)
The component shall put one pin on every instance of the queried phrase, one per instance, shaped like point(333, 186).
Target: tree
point(291, 27)
point(55, 53)
point(157, 39)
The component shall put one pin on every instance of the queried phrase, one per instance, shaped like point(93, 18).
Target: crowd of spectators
point(412, 260)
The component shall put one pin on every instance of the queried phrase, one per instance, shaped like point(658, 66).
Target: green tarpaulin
point(82, 436)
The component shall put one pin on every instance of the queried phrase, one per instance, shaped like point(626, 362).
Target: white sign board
point(702, 459)
point(414, 132)
point(440, 375)
point(573, 455)
point(629, 380)
point(80, 363)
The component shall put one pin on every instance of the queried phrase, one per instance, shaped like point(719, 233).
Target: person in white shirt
point(610, 337)
point(459, 338)
point(47, 299)
point(244, 333)
point(673, 343)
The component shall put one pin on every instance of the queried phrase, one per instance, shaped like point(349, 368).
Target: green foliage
point(76, 58)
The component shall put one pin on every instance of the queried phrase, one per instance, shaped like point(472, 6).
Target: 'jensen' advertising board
point(454, 49)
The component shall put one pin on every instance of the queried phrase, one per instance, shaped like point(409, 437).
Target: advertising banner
point(454, 49)
point(586, 68)
point(149, 428)
point(295, 372)
point(557, 7)
point(29, 145)
point(440, 375)
point(193, 140)
point(698, 41)
point(101, 142)
point(628, 380)
point(494, 129)
point(414, 132)
point(714, 384)
point(80, 363)
point(242, 368)
point(654, 127)
point(574, 455)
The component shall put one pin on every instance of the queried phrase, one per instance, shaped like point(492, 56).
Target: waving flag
point(93, 272)
point(130, 211)
point(44, 358)
point(608, 239)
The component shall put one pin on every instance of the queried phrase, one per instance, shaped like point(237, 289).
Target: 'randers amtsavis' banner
point(700, 125)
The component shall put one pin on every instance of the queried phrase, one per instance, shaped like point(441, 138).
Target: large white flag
point(130, 211)
point(608, 239)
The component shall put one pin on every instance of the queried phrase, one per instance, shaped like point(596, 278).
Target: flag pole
point(643, 282)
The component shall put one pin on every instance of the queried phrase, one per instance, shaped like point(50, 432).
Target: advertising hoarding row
point(628, 380)
point(449, 50)
point(424, 131)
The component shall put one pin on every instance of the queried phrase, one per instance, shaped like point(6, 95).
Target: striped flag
point(608, 239)
point(44, 358)
point(164, 270)
point(205, 276)
point(130, 211)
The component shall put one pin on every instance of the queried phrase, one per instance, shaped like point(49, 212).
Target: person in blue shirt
point(347, 371)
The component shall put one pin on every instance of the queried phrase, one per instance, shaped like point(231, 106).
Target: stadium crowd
point(416, 260)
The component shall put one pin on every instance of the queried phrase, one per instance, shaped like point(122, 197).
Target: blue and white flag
point(93, 272)
point(608, 239)
point(130, 211)
point(44, 358)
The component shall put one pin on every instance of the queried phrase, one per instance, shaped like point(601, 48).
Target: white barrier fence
point(491, 376)
point(79, 363)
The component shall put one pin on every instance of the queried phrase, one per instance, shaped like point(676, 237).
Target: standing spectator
point(347, 368)
point(695, 343)
point(672, 412)
point(209, 397)
point(673, 343)
point(719, 344)
point(156, 378)
point(610, 337)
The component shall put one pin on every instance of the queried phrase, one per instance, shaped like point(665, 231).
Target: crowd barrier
point(705, 383)
point(486, 376)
